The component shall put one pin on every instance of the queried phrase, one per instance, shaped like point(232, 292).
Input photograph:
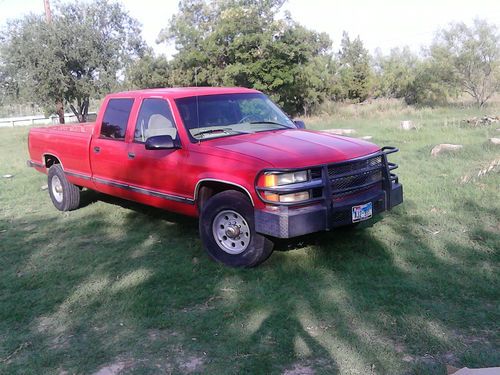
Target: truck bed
point(69, 143)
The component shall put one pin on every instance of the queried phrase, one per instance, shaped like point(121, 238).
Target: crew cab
point(229, 156)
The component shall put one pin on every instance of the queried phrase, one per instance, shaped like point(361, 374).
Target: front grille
point(358, 176)
point(337, 169)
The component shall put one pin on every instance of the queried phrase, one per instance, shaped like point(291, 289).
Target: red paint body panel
point(295, 148)
point(169, 178)
point(70, 144)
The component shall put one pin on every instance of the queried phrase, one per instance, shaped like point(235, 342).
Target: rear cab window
point(115, 119)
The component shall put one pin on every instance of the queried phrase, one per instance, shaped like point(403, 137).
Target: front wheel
point(65, 196)
point(227, 230)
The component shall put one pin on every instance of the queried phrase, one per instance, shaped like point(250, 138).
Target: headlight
point(278, 179)
point(287, 198)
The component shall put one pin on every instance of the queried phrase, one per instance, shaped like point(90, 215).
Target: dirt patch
point(482, 337)
point(60, 342)
point(408, 358)
point(191, 364)
point(115, 368)
point(311, 366)
point(178, 360)
point(161, 334)
point(428, 360)
point(448, 358)
point(177, 364)
point(400, 348)
point(299, 369)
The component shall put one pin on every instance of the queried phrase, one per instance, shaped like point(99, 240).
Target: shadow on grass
point(89, 197)
point(89, 289)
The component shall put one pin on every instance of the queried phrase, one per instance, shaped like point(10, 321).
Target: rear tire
point(64, 195)
point(227, 230)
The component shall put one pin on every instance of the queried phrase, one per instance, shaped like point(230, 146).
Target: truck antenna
point(196, 75)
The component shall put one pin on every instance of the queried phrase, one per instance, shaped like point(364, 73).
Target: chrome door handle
point(97, 149)
point(131, 155)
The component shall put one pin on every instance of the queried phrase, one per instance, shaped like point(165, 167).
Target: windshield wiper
point(218, 130)
point(271, 123)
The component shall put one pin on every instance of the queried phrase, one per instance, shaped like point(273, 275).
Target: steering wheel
point(249, 118)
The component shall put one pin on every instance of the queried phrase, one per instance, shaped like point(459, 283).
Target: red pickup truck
point(229, 156)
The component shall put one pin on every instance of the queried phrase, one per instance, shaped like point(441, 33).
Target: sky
point(383, 24)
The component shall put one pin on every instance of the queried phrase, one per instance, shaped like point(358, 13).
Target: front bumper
point(285, 221)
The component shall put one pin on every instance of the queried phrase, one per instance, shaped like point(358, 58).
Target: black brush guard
point(334, 189)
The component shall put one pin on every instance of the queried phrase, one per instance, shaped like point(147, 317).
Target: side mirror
point(161, 142)
point(299, 124)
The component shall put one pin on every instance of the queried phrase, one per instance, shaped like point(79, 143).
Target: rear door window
point(115, 120)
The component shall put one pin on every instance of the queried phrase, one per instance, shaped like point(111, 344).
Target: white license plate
point(361, 212)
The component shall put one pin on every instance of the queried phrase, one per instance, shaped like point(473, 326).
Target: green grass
point(115, 283)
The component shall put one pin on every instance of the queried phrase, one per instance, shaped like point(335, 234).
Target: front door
point(156, 173)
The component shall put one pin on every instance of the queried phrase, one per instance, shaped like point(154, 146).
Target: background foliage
point(92, 48)
point(75, 57)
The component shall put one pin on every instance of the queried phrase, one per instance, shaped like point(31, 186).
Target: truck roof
point(182, 92)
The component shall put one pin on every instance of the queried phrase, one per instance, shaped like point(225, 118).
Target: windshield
point(214, 116)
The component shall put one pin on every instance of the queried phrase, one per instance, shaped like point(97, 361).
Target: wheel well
point(208, 189)
point(50, 160)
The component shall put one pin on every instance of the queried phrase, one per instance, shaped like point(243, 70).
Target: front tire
point(64, 195)
point(227, 230)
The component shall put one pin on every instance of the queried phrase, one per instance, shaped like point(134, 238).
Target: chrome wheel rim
point(231, 231)
point(57, 189)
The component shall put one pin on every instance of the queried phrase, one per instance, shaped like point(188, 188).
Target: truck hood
point(295, 148)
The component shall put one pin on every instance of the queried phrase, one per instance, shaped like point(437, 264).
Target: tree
point(417, 80)
point(473, 54)
point(79, 55)
point(8, 87)
point(395, 73)
point(148, 72)
point(243, 43)
point(432, 84)
point(354, 69)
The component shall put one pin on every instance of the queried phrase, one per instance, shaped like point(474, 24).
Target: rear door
point(108, 150)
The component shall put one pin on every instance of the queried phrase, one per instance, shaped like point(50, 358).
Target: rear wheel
point(64, 195)
point(227, 230)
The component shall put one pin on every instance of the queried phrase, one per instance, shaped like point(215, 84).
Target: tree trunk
point(60, 111)
point(76, 113)
point(83, 109)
